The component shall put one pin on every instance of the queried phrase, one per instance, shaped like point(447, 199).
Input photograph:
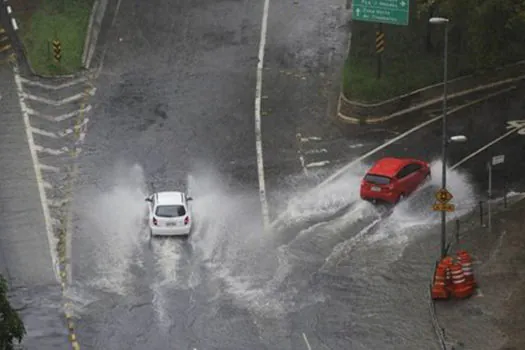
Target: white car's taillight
point(186, 220)
point(155, 222)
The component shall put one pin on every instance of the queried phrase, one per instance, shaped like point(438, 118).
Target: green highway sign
point(381, 11)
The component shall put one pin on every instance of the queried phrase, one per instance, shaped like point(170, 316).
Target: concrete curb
point(95, 24)
point(401, 105)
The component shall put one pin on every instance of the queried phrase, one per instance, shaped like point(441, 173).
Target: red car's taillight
point(186, 220)
point(155, 222)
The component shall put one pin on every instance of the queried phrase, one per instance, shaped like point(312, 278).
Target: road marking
point(42, 185)
point(59, 118)
point(57, 203)
point(316, 151)
point(473, 154)
point(51, 151)
point(51, 168)
point(56, 135)
point(311, 138)
point(307, 342)
point(53, 87)
point(258, 134)
point(9, 10)
point(61, 102)
point(13, 22)
point(317, 164)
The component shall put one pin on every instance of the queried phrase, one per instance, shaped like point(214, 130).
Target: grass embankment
point(63, 20)
point(413, 58)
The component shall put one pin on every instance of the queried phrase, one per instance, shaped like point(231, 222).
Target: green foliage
point(11, 326)
point(482, 34)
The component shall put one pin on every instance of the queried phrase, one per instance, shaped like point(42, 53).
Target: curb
point(367, 109)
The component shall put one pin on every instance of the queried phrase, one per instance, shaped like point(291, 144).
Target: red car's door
point(409, 178)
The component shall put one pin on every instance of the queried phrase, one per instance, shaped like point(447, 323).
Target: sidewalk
point(494, 318)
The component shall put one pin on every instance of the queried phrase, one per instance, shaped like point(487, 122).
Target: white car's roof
point(170, 198)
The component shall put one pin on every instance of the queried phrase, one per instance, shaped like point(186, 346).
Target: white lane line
point(311, 138)
point(51, 168)
point(317, 164)
point(59, 118)
point(40, 182)
point(60, 102)
point(507, 134)
point(57, 203)
point(43, 132)
point(60, 134)
point(258, 134)
point(53, 87)
point(51, 151)
point(316, 151)
point(9, 10)
point(13, 22)
point(307, 342)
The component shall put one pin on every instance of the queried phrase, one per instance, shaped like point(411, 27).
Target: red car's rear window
point(377, 179)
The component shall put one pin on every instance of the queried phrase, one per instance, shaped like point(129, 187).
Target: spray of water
point(409, 219)
point(114, 218)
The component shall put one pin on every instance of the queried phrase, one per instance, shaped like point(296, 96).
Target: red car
point(392, 179)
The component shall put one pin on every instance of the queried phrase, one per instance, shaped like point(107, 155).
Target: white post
point(490, 196)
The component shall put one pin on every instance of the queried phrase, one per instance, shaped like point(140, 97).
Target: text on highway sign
point(443, 196)
point(444, 207)
point(381, 11)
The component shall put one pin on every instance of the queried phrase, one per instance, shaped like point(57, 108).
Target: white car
point(169, 214)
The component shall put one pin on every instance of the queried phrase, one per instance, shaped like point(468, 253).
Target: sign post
point(494, 161)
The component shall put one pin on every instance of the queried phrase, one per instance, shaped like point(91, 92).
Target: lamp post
point(441, 20)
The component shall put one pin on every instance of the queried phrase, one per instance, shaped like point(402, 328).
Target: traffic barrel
point(461, 288)
point(445, 263)
point(439, 290)
point(466, 264)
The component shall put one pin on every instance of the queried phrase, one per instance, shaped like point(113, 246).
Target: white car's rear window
point(170, 211)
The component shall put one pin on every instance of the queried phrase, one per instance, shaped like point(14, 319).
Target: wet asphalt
point(174, 109)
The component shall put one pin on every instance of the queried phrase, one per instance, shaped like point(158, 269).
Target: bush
point(11, 326)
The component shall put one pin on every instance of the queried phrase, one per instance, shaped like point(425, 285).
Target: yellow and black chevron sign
point(6, 52)
point(57, 50)
point(380, 42)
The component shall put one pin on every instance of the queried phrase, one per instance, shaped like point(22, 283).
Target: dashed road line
point(318, 164)
point(54, 87)
point(258, 133)
point(59, 102)
point(62, 117)
point(316, 151)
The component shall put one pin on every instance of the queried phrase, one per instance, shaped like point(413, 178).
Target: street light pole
point(440, 20)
